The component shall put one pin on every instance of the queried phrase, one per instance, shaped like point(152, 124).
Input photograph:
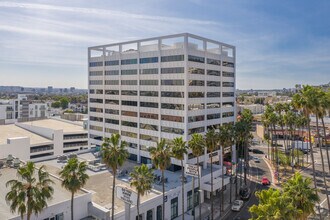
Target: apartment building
point(163, 87)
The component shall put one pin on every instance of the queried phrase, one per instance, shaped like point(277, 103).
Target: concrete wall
point(18, 147)
point(260, 131)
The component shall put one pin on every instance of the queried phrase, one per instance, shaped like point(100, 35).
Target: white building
point(254, 108)
point(42, 139)
point(266, 93)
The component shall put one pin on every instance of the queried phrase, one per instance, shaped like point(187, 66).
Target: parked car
point(245, 192)
point(265, 181)
point(237, 205)
point(257, 151)
point(256, 159)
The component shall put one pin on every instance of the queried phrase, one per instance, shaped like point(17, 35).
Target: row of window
point(167, 82)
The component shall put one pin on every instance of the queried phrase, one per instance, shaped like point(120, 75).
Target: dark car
point(245, 192)
point(257, 151)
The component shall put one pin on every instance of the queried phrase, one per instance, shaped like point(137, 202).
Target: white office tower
point(163, 87)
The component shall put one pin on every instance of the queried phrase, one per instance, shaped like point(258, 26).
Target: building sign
point(126, 195)
point(192, 170)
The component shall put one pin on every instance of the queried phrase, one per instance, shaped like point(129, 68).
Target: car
point(245, 192)
point(237, 205)
point(265, 181)
point(256, 159)
point(257, 151)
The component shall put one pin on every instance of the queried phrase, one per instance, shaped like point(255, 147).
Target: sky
point(278, 43)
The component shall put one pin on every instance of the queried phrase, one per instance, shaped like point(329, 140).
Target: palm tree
point(161, 158)
point(114, 155)
point(226, 138)
point(179, 150)
point(324, 109)
point(31, 194)
point(279, 107)
point(266, 124)
point(197, 146)
point(74, 177)
point(142, 180)
point(289, 120)
point(304, 197)
point(246, 119)
point(211, 140)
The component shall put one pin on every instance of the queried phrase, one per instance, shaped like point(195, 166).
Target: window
point(132, 145)
point(213, 116)
point(213, 94)
point(94, 64)
point(149, 82)
point(111, 82)
point(149, 93)
point(213, 62)
point(112, 121)
point(196, 94)
point(112, 92)
point(193, 107)
point(149, 104)
point(196, 130)
point(112, 101)
point(172, 130)
point(172, 70)
point(213, 83)
point(129, 134)
point(95, 128)
point(129, 72)
point(111, 72)
point(112, 111)
point(193, 70)
point(148, 138)
point(99, 91)
point(129, 113)
point(227, 114)
point(172, 106)
point(149, 60)
point(228, 84)
point(172, 118)
point(149, 71)
point(174, 82)
point(213, 73)
point(100, 110)
point(95, 82)
point(228, 104)
point(174, 208)
point(173, 94)
point(172, 58)
point(196, 83)
point(149, 127)
point(227, 74)
point(227, 64)
point(149, 214)
point(129, 103)
point(111, 131)
point(129, 82)
point(95, 73)
point(196, 59)
point(129, 124)
point(129, 92)
point(213, 105)
point(112, 62)
point(196, 118)
point(91, 100)
point(148, 115)
point(227, 94)
point(128, 61)
point(190, 199)
point(159, 213)
point(92, 91)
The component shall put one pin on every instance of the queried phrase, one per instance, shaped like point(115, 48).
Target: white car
point(237, 205)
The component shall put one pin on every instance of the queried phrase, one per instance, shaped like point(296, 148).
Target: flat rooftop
point(60, 194)
point(54, 124)
point(13, 131)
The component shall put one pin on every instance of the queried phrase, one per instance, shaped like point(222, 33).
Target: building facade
point(162, 87)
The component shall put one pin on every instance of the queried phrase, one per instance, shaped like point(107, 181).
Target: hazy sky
point(278, 43)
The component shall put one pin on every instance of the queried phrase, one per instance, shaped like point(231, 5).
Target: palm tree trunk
point(138, 206)
point(199, 187)
point(222, 184)
point(163, 185)
point(245, 162)
point(113, 194)
point(292, 150)
point(212, 186)
point(276, 155)
point(72, 198)
point(182, 185)
point(325, 142)
point(323, 170)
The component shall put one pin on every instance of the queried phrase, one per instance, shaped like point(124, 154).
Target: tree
point(56, 104)
point(142, 180)
point(29, 195)
point(74, 177)
point(324, 109)
point(197, 146)
point(179, 150)
point(64, 102)
point(284, 160)
point(114, 155)
point(303, 196)
point(161, 158)
point(212, 141)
